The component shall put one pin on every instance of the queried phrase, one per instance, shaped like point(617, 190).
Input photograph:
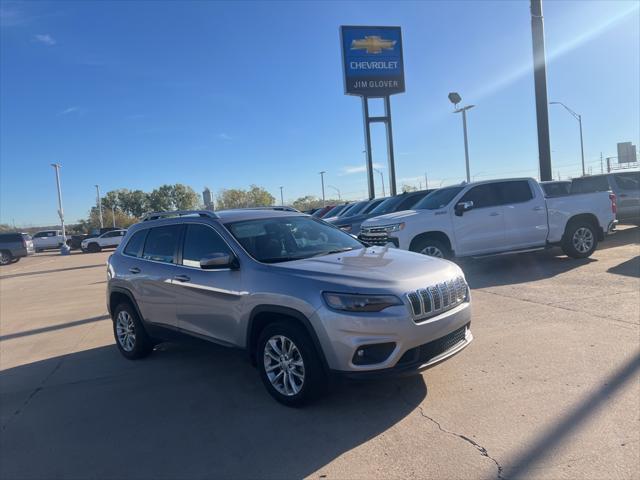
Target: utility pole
point(382, 180)
point(559, 178)
point(322, 180)
point(540, 81)
point(64, 249)
point(608, 164)
point(601, 164)
point(281, 197)
point(426, 181)
point(578, 117)
point(113, 215)
point(99, 204)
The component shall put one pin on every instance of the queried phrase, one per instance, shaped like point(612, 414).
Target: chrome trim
point(438, 298)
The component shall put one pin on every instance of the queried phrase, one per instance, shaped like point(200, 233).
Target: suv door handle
point(134, 270)
point(182, 278)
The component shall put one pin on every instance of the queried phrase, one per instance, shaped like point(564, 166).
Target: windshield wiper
point(337, 250)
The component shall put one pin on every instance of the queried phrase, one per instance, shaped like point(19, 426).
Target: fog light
point(370, 354)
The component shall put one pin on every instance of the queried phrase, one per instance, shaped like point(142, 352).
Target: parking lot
point(548, 389)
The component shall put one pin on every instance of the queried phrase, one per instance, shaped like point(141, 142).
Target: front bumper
point(343, 334)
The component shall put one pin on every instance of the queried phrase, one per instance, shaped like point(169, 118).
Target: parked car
point(496, 216)
point(107, 240)
point(626, 186)
point(47, 239)
point(14, 246)
point(74, 242)
point(556, 188)
point(335, 211)
point(403, 201)
point(305, 300)
point(321, 212)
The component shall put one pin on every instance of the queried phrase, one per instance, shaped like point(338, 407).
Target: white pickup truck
point(496, 216)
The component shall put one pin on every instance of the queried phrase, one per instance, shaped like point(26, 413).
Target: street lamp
point(337, 190)
point(382, 180)
point(455, 98)
point(64, 249)
point(579, 118)
point(322, 180)
point(99, 204)
point(281, 197)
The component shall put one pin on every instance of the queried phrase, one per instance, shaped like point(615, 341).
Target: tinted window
point(282, 239)
point(482, 196)
point(557, 189)
point(438, 199)
point(410, 201)
point(200, 241)
point(387, 206)
point(134, 245)
point(517, 191)
point(111, 234)
point(628, 180)
point(10, 237)
point(373, 204)
point(590, 184)
point(161, 244)
point(356, 209)
point(40, 235)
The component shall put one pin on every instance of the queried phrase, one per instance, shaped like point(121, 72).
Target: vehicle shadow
point(55, 270)
point(630, 268)
point(518, 268)
point(186, 411)
point(624, 236)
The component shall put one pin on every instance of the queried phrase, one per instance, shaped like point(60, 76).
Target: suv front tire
point(289, 365)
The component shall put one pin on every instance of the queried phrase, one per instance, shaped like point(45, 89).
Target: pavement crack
point(483, 451)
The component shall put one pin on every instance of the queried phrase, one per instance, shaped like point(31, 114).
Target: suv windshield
point(281, 239)
point(438, 199)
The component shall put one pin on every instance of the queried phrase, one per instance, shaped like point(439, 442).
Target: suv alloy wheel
point(131, 337)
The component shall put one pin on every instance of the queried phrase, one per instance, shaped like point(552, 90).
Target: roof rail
point(281, 208)
point(178, 213)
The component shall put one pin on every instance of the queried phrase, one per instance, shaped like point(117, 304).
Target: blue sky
point(137, 94)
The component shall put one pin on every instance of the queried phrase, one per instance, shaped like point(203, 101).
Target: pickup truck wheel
point(93, 248)
point(131, 337)
point(289, 364)
point(5, 257)
point(432, 248)
point(580, 240)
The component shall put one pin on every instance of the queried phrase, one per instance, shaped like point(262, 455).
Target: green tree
point(309, 202)
point(259, 197)
point(161, 199)
point(408, 188)
point(135, 203)
point(184, 197)
point(231, 198)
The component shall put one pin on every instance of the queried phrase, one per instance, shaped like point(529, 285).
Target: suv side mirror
point(217, 261)
point(463, 207)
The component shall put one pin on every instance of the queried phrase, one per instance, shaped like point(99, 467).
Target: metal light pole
point(337, 190)
point(322, 180)
point(281, 197)
point(579, 118)
point(99, 204)
point(426, 181)
point(113, 215)
point(455, 98)
point(382, 180)
point(64, 249)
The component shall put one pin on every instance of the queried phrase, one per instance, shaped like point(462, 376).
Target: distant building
point(627, 152)
point(207, 199)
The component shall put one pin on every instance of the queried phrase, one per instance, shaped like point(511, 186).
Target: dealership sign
point(372, 60)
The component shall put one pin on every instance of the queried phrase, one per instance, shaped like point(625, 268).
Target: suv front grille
point(436, 299)
point(424, 353)
point(374, 236)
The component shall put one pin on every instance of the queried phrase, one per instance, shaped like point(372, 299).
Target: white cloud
point(45, 39)
point(70, 110)
point(350, 169)
point(224, 136)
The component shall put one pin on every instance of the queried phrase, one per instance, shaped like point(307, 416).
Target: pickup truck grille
point(436, 299)
point(374, 235)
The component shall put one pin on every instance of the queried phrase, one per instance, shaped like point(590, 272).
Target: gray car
point(625, 185)
point(14, 246)
point(303, 298)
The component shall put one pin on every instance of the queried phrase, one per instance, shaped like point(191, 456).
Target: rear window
point(628, 180)
point(162, 244)
point(135, 243)
point(11, 237)
point(590, 184)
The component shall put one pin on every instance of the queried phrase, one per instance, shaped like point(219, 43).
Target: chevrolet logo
point(373, 44)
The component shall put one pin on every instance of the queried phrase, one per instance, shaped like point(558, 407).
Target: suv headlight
point(360, 303)
point(396, 227)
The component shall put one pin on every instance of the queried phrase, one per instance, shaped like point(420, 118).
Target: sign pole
point(367, 136)
point(392, 164)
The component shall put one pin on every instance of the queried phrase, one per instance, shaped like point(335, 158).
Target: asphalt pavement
point(550, 387)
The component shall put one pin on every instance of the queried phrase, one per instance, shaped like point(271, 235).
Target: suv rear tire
point(580, 239)
point(5, 257)
point(131, 337)
point(93, 248)
point(295, 375)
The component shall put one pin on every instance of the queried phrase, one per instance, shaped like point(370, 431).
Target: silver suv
point(303, 298)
